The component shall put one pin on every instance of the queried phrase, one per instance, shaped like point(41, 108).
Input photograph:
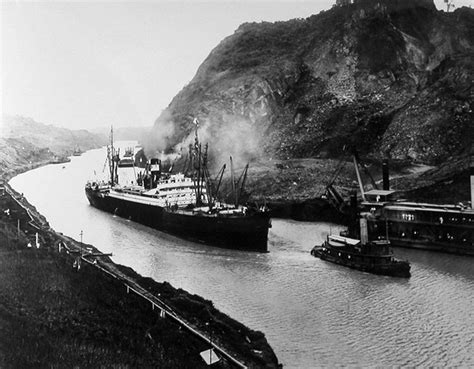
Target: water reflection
point(450, 265)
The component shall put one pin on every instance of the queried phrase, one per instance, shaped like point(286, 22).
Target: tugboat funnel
point(385, 175)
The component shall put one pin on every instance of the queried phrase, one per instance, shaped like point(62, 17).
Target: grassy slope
point(51, 314)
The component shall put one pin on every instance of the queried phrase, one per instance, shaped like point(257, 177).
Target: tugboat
point(373, 257)
point(184, 204)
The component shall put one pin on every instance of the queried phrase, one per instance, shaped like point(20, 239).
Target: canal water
point(313, 313)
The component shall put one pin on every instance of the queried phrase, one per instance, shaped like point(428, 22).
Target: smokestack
point(354, 226)
point(385, 175)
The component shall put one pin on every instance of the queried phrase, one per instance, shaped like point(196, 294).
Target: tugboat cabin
point(354, 247)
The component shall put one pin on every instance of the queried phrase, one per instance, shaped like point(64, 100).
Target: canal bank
point(101, 313)
point(313, 313)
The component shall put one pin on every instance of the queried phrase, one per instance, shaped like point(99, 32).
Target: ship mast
point(242, 184)
point(195, 153)
point(206, 179)
point(110, 156)
point(219, 175)
point(198, 160)
point(359, 180)
point(232, 179)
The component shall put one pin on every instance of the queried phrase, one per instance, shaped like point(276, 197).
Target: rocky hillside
point(391, 78)
point(25, 143)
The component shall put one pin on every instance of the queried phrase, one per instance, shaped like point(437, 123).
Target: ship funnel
point(364, 235)
point(155, 165)
point(385, 175)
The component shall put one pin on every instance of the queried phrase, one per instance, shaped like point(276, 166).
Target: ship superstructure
point(446, 228)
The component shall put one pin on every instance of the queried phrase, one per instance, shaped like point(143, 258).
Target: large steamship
point(184, 204)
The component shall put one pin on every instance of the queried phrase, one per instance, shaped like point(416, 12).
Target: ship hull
point(431, 245)
point(248, 232)
point(447, 238)
point(395, 269)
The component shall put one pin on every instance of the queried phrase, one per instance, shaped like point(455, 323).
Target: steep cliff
point(392, 78)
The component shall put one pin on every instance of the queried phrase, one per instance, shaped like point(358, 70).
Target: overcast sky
point(89, 64)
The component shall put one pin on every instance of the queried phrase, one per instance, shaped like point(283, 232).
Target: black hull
point(429, 236)
point(432, 246)
point(396, 269)
point(248, 232)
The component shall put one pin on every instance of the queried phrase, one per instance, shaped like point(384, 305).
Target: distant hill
point(57, 139)
point(25, 143)
point(390, 78)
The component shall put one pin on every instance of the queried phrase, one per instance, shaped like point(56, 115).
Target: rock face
point(392, 78)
